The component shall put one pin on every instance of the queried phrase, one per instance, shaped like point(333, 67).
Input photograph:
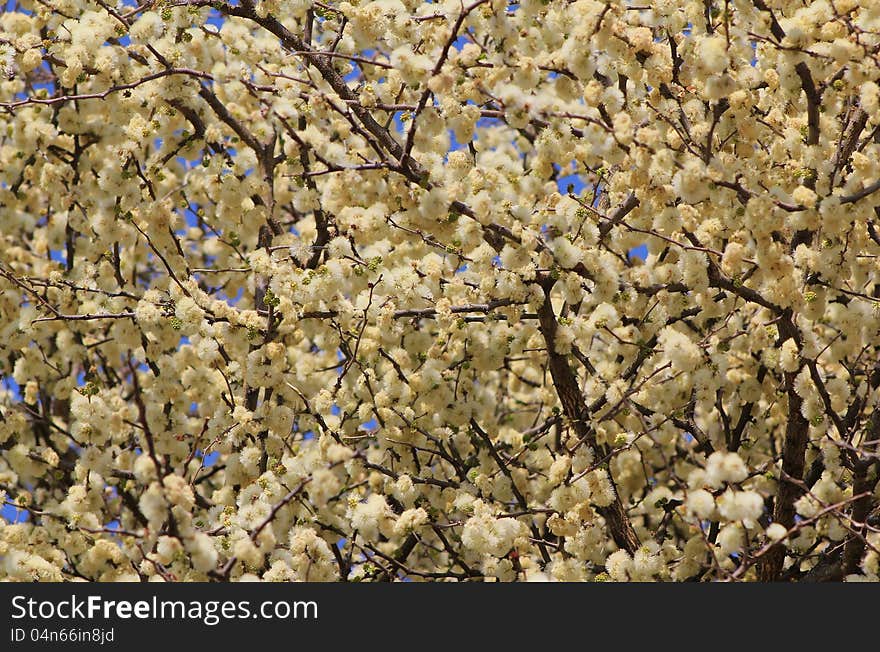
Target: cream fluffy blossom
point(776, 532)
point(725, 467)
point(701, 503)
point(740, 505)
point(540, 291)
point(711, 53)
point(311, 558)
point(410, 521)
point(486, 534)
point(679, 349)
point(371, 516)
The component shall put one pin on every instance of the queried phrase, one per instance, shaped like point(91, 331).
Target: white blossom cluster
point(300, 291)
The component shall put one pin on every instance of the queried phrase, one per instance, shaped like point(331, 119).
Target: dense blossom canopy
point(301, 290)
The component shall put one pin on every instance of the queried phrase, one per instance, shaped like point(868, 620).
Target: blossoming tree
point(295, 290)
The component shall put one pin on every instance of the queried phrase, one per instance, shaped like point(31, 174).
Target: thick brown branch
point(575, 408)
